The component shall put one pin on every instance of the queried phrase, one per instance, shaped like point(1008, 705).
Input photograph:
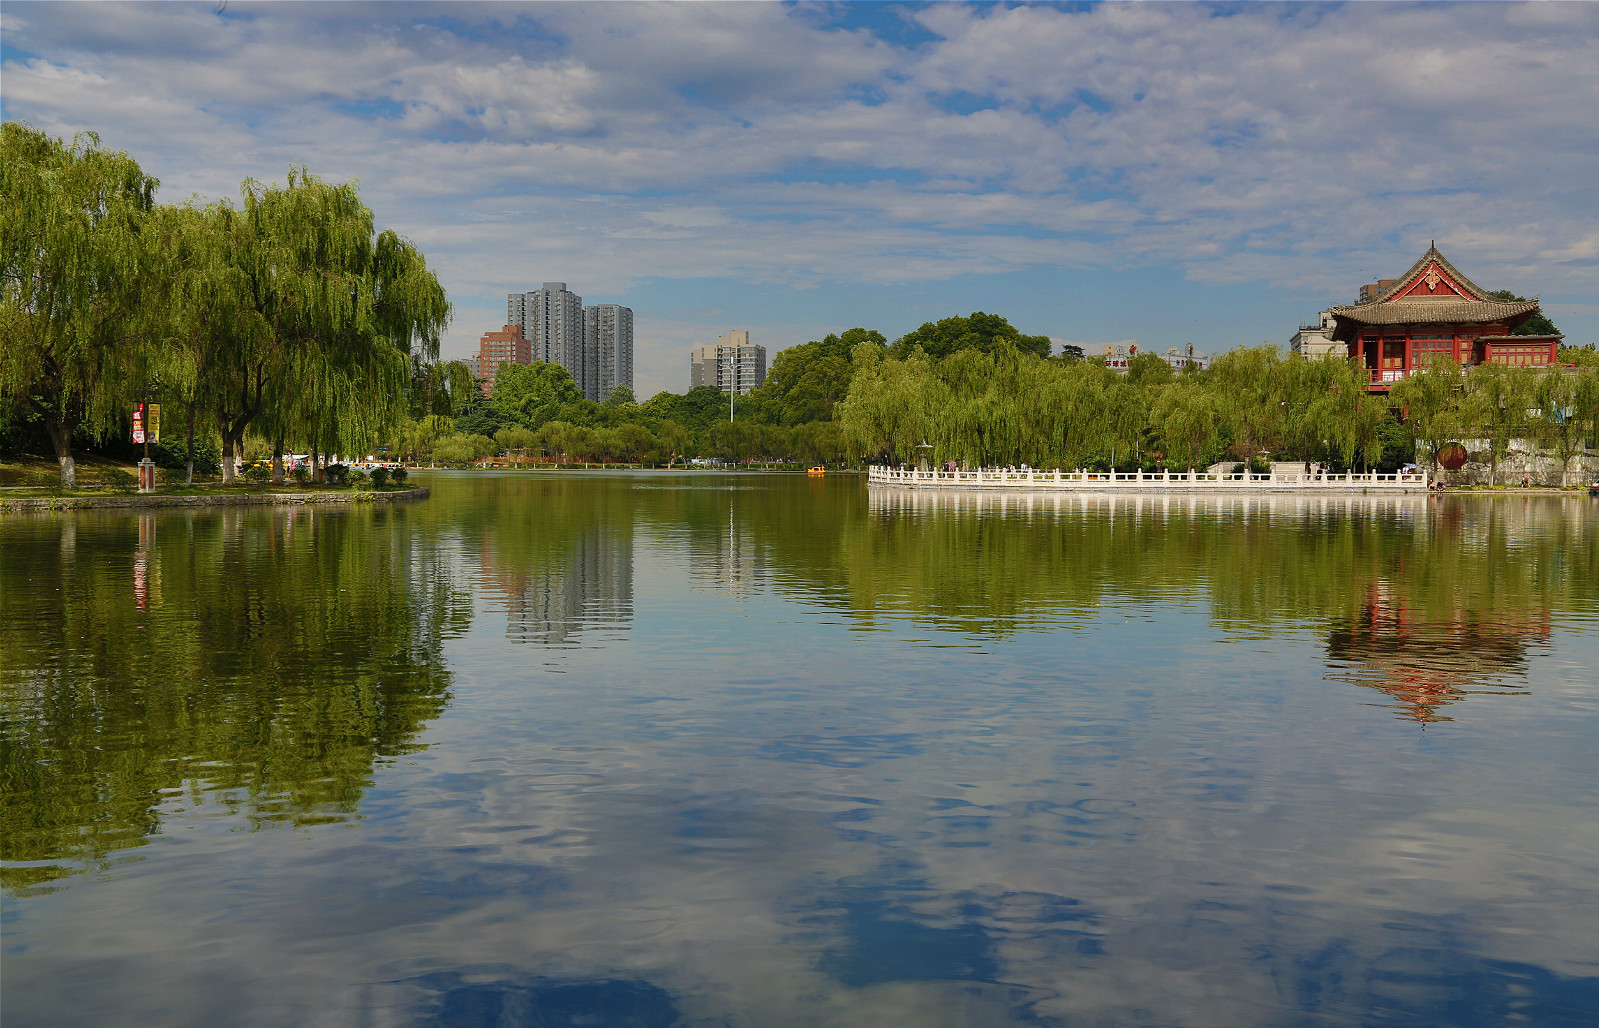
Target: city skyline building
point(1118, 357)
point(551, 318)
point(734, 364)
point(594, 344)
point(508, 345)
point(608, 348)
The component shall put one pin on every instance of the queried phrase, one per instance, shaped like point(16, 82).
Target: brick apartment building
point(506, 346)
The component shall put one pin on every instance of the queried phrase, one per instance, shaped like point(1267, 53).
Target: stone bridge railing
point(1176, 481)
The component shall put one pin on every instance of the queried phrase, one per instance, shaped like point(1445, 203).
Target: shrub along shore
point(208, 498)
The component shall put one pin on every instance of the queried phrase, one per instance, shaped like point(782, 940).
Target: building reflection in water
point(552, 602)
point(1428, 661)
point(732, 562)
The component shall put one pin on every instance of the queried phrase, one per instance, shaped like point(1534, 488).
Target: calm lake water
point(668, 749)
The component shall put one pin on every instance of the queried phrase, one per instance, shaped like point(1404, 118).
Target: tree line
point(1005, 406)
point(974, 390)
point(537, 410)
point(287, 318)
point(287, 322)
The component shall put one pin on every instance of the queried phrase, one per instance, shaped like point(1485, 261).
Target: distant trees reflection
point(263, 663)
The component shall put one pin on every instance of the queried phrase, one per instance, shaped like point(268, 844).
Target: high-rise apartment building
point(734, 365)
point(496, 349)
point(552, 319)
point(594, 344)
point(608, 337)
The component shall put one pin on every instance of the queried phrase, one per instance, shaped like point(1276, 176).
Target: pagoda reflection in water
point(1427, 661)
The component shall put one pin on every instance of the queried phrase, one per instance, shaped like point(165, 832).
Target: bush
point(175, 454)
point(257, 472)
point(380, 477)
point(300, 473)
point(120, 480)
point(356, 477)
point(336, 475)
point(399, 475)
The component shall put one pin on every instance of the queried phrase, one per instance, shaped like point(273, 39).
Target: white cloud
point(1301, 147)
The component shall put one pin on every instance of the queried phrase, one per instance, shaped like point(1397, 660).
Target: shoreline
point(134, 500)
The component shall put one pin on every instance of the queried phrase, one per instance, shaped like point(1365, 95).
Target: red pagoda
point(1433, 311)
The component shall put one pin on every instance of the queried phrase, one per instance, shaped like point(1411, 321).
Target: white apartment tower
point(594, 343)
point(608, 337)
point(552, 322)
point(734, 365)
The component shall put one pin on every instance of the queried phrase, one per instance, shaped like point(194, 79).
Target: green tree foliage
point(1188, 419)
point(977, 331)
point(1434, 405)
point(461, 448)
point(1567, 413)
point(1537, 325)
point(441, 387)
point(1499, 399)
point(287, 316)
point(807, 381)
point(339, 312)
point(531, 394)
point(1581, 356)
point(1006, 407)
point(1249, 383)
point(1149, 369)
point(74, 328)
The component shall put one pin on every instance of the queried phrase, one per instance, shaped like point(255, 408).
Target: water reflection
point(1427, 600)
point(589, 585)
point(498, 997)
point(1428, 660)
point(810, 757)
point(252, 664)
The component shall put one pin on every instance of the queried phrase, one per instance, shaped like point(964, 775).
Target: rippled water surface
point(670, 749)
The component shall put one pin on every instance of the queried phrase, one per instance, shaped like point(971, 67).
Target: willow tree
point(341, 312)
point(1188, 417)
point(204, 301)
point(1348, 417)
point(1246, 381)
point(1432, 401)
point(1568, 412)
point(1500, 397)
point(1076, 396)
point(74, 316)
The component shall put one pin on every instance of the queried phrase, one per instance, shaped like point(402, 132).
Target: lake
point(727, 749)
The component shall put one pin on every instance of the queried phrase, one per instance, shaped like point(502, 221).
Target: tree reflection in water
point(260, 662)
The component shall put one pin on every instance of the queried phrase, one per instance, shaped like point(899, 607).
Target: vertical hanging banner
point(138, 423)
point(152, 422)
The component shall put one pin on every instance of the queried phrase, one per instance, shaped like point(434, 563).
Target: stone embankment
point(125, 500)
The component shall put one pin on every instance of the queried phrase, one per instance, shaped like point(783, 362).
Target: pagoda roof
point(1433, 291)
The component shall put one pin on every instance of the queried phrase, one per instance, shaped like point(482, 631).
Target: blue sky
point(1096, 173)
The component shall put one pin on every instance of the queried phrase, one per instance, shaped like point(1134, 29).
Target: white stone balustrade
point(1174, 481)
